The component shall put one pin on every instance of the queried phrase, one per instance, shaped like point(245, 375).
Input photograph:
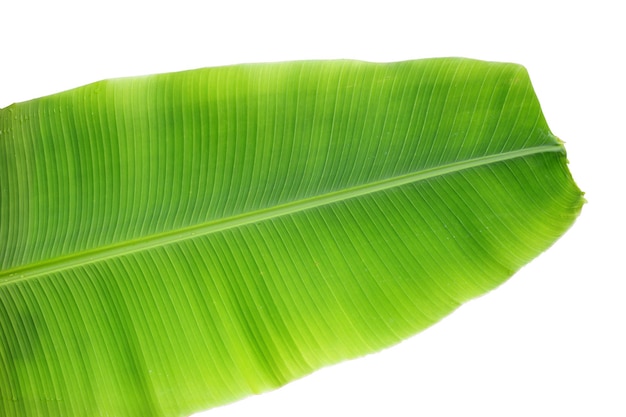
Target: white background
point(552, 340)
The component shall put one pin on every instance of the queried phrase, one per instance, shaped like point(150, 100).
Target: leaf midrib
point(102, 253)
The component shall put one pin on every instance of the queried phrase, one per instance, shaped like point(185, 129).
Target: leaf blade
point(318, 267)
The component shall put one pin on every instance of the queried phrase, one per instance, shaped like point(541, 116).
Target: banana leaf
point(170, 243)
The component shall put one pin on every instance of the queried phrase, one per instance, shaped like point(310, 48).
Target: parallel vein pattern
point(174, 242)
point(151, 241)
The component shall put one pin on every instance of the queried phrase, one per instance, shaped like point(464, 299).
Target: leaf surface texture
point(174, 242)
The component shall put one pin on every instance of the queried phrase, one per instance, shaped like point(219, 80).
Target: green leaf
point(174, 242)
